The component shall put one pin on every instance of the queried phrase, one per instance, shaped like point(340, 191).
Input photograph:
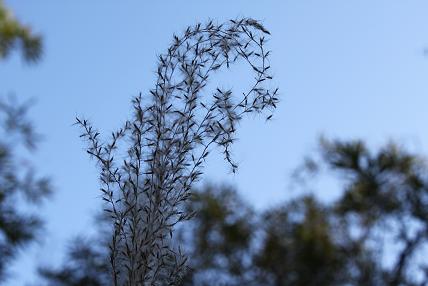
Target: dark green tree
point(15, 35)
point(86, 265)
point(19, 186)
point(220, 238)
point(384, 200)
point(300, 246)
point(372, 234)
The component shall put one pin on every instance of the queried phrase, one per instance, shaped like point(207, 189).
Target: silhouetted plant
point(170, 135)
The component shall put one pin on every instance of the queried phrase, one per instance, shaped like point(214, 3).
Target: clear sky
point(346, 69)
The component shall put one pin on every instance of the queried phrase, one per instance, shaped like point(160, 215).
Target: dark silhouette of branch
point(146, 184)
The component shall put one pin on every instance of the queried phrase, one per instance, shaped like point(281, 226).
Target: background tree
point(18, 184)
point(295, 243)
point(371, 235)
point(14, 35)
point(86, 265)
point(20, 188)
point(384, 205)
point(219, 239)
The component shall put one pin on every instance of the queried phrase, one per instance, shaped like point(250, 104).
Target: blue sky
point(346, 69)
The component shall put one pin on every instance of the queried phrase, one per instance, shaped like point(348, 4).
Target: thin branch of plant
point(168, 138)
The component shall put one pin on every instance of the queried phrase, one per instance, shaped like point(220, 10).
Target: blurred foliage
point(21, 191)
point(375, 233)
point(86, 265)
point(14, 35)
point(19, 187)
point(300, 246)
point(219, 237)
